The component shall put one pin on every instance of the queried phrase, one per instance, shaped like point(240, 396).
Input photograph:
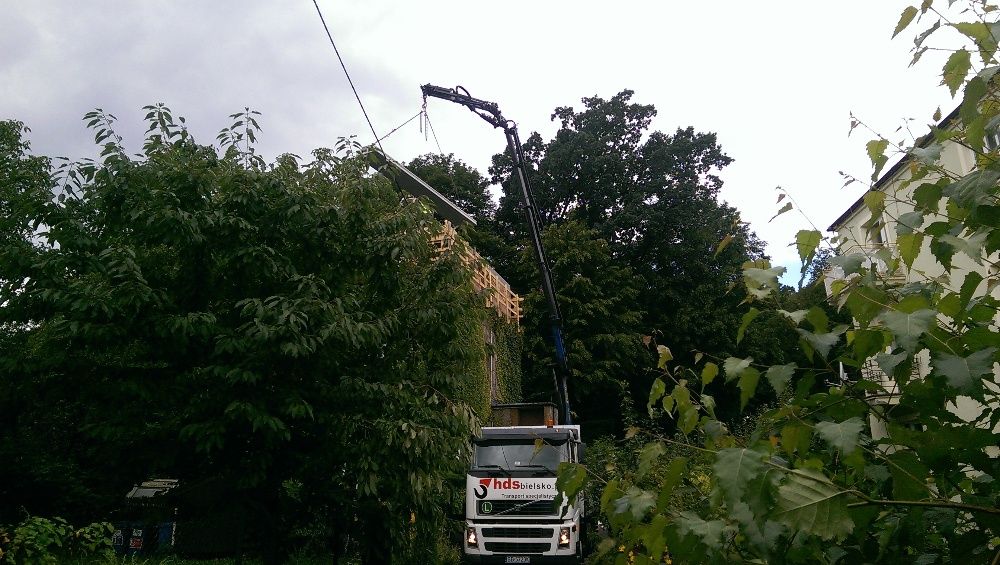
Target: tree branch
point(924, 503)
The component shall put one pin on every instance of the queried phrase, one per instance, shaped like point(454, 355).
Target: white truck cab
point(510, 511)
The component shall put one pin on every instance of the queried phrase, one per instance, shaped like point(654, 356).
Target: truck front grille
point(516, 547)
point(518, 532)
point(507, 507)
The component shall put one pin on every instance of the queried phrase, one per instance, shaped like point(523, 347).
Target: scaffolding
point(485, 279)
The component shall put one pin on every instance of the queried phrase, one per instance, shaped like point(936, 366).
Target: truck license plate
point(518, 559)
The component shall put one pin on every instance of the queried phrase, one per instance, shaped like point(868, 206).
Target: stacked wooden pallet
point(484, 278)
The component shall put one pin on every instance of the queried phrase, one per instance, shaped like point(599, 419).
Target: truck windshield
point(520, 454)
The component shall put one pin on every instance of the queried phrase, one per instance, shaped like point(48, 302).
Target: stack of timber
point(484, 278)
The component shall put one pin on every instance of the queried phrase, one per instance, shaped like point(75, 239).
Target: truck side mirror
point(581, 449)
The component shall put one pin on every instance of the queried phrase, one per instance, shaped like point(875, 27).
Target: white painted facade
point(958, 160)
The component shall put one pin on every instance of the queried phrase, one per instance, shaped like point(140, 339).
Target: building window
point(491, 362)
point(878, 234)
point(991, 141)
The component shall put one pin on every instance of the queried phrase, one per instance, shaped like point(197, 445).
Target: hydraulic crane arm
point(490, 112)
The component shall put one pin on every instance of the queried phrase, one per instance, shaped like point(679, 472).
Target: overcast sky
point(776, 80)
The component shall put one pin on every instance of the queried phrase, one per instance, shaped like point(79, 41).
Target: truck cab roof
point(531, 432)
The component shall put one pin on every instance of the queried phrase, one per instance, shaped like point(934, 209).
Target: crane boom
point(490, 112)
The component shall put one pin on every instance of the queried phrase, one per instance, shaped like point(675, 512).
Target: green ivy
point(508, 344)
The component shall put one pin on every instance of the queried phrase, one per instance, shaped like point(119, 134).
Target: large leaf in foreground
point(809, 502)
point(735, 468)
point(907, 327)
point(964, 373)
point(843, 435)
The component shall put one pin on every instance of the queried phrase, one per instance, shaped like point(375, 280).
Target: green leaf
point(909, 245)
point(671, 478)
point(843, 435)
point(795, 437)
point(926, 196)
point(969, 286)
point(747, 318)
point(761, 533)
point(904, 19)
point(779, 376)
point(975, 89)
point(975, 133)
point(956, 69)
point(650, 453)
point(636, 501)
point(817, 317)
point(570, 479)
point(974, 189)
point(796, 316)
point(963, 373)
point(734, 469)
point(919, 39)
point(655, 392)
point(867, 343)
point(907, 327)
point(723, 244)
point(708, 373)
point(984, 38)
point(762, 282)
point(976, 31)
point(809, 502)
point(709, 532)
point(748, 385)
point(909, 222)
point(785, 208)
point(850, 262)
point(908, 475)
point(822, 342)
point(665, 356)
point(688, 418)
point(971, 245)
point(734, 367)
point(928, 155)
point(876, 152)
point(806, 241)
point(888, 363)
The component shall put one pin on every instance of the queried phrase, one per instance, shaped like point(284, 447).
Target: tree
point(202, 314)
point(597, 298)
point(653, 198)
point(813, 483)
point(462, 184)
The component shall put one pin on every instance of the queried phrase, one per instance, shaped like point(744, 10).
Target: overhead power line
point(348, 75)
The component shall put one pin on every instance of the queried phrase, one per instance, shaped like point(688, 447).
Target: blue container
point(165, 534)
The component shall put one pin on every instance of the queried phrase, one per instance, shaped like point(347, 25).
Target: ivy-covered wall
point(507, 346)
point(479, 391)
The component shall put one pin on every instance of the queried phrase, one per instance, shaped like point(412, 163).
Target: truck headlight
point(563, 537)
point(470, 537)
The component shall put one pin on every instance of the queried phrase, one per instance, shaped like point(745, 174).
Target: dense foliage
point(882, 466)
point(279, 335)
point(632, 223)
point(42, 541)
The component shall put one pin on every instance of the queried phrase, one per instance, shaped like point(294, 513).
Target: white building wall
point(960, 161)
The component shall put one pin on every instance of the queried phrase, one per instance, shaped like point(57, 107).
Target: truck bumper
point(533, 559)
